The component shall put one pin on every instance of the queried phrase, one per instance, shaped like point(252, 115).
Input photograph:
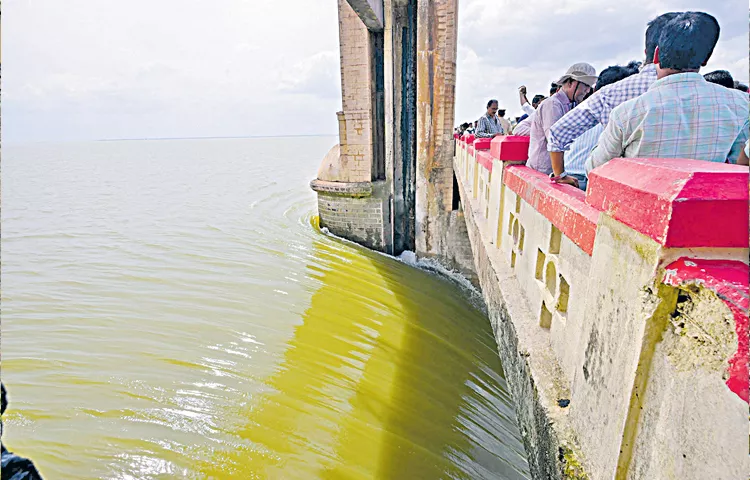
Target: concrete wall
point(622, 325)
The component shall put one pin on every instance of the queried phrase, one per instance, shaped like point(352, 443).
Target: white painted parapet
point(635, 295)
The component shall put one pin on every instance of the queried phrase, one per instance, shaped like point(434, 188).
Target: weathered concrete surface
point(400, 71)
point(436, 73)
point(685, 381)
point(330, 168)
point(370, 12)
point(609, 368)
point(535, 378)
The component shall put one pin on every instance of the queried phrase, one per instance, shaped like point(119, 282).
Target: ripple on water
point(171, 311)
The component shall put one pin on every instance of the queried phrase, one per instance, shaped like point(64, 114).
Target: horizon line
point(211, 137)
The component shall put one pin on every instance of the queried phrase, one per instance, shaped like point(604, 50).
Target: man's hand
point(568, 180)
point(522, 90)
point(498, 135)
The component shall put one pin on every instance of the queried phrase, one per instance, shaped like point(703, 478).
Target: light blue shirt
point(575, 160)
point(681, 116)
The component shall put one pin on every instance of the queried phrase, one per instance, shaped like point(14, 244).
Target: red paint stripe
point(729, 280)
point(677, 202)
point(471, 149)
point(563, 205)
point(485, 159)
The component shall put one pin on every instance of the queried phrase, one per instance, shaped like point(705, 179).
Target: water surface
point(170, 311)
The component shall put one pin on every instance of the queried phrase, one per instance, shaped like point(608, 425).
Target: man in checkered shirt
point(596, 109)
point(682, 115)
point(489, 124)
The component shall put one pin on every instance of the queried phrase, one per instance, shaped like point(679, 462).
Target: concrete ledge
point(536, 380)
point(344, 189)
point(677, 202)
point(563, 205)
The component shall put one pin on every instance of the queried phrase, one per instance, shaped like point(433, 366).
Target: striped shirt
point(597, 108)
point(489, 126)
point(681, 116)
point(575, 160)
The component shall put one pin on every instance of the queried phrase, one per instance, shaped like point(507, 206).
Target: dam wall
point(621, 314)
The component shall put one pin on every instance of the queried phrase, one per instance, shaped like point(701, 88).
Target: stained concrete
point(535, 378)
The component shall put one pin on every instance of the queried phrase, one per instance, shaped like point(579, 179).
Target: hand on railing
point(568, 180)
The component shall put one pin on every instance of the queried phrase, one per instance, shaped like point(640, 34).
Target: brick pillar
point(436, 79)
point(356, 80)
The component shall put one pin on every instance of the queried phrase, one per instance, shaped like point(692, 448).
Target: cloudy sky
point(94, 69)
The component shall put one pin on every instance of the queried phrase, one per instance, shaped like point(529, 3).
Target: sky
point(106, 69)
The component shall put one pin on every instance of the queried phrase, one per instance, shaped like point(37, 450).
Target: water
point(170, 311)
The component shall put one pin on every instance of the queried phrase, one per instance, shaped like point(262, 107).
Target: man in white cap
point(575, 85)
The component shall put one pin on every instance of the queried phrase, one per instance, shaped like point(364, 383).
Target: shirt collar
point(678, 78)
point(562, 97)
point(651, 67)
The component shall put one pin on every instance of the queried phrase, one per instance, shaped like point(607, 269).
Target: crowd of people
point(661, 108)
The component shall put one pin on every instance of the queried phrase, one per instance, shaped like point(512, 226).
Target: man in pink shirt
point(575, 85)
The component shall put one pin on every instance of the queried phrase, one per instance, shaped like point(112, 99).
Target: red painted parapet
point(563, 205)
point(677, 202)
point(484, 159)
point(469, 139)
point(482, 143)
point(729, 280)
point(510, 148)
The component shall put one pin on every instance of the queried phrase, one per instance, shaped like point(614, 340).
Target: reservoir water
point(169, 310)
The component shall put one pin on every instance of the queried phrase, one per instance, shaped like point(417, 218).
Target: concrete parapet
point(624, 361)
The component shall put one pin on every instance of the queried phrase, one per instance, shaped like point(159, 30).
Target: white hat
point(583, 72)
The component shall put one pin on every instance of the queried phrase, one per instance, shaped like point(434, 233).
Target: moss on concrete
point(570, 465)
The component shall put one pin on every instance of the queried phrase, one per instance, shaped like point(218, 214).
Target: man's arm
point(522, 96)
point(576, 122)
point(527, 108)
point(738, 147)
point(611, 143)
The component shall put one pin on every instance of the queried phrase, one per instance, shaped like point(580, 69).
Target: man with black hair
point(682, 115)
point(575, 160)
point(489, 123)
point(13, 466)
point(597, 108)
point(720, 77)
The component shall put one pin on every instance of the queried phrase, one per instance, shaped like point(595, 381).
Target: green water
point(169, 310)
